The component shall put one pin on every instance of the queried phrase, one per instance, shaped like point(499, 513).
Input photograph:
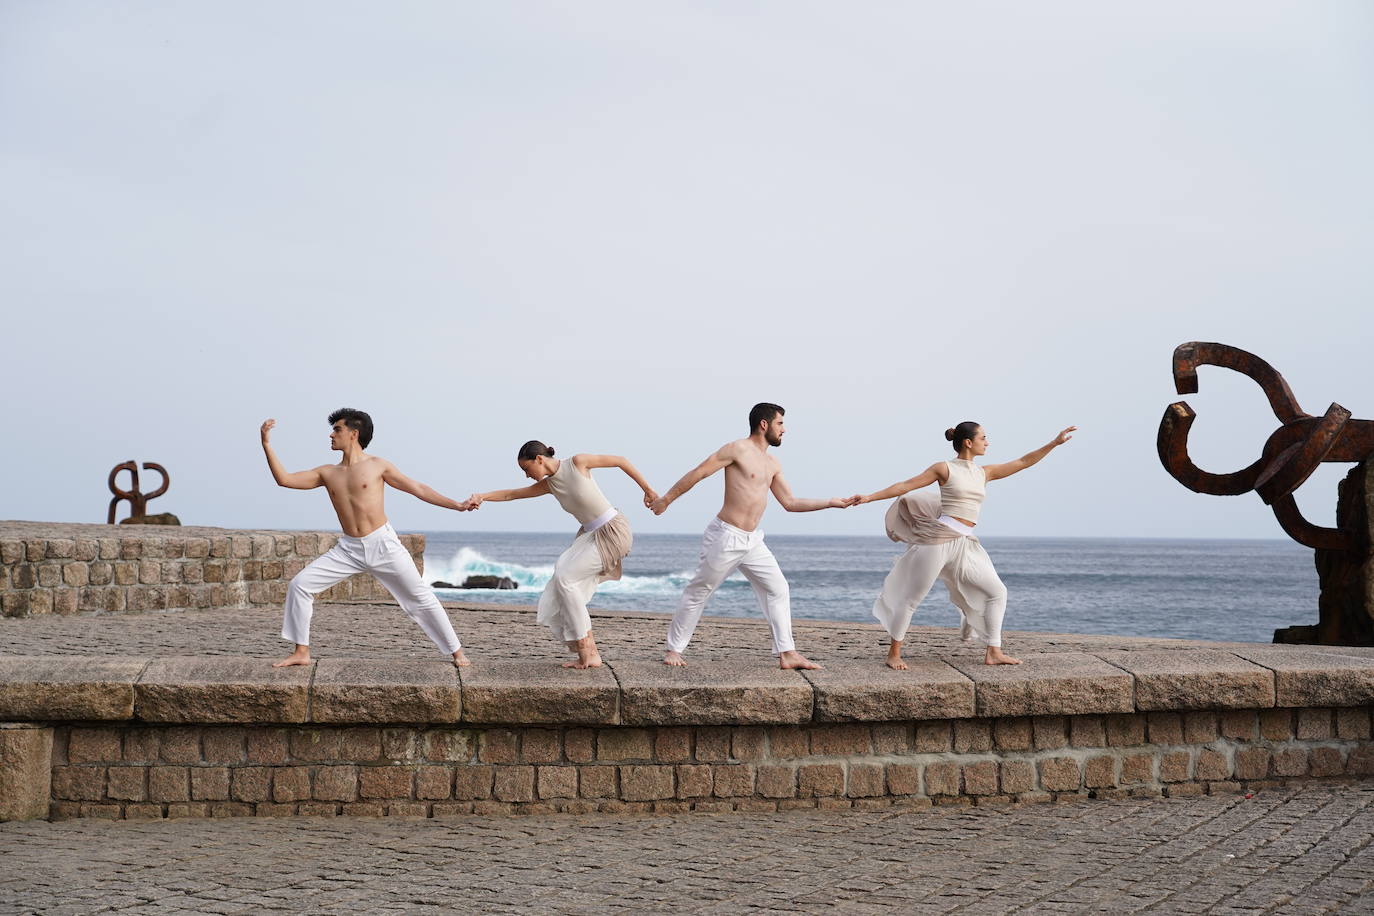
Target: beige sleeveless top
point(577, 493)
point(962, 495)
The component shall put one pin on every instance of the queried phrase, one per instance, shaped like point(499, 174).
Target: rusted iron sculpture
point(1291, 454)
point(138, 501)
point(1289, 457)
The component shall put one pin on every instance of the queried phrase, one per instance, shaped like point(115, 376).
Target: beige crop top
point(577, 493)
point(962, 495)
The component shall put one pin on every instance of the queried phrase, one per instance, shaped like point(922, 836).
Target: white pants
point(725, 548)
point(576, 574)
point(381, 554)
point(963, 565)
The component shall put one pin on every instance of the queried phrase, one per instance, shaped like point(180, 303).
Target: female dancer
point(943, 546)
point(596, 551)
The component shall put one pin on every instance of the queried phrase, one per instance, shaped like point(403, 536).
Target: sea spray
point(532, 579)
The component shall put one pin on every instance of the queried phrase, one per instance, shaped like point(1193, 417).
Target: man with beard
point(732, 539)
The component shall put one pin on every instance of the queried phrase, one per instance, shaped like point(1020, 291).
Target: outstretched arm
point(719, 461)
point(783, 493)
point(419, 490)
point(298, 480)
point(924, 479)
point(502, 496)
point(1006, 469)
point(588, 462)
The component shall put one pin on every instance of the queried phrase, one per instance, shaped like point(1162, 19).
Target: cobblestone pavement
point(1286, 851)
point(498, 632)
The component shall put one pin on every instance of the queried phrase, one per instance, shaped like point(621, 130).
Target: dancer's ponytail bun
point(961, 433)
point(533, 449)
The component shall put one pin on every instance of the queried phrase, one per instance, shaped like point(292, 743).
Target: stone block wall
point(50, 568)
point(132, 771)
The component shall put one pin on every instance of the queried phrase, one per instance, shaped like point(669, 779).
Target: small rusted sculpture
point(138, 501)
point(1290, 456)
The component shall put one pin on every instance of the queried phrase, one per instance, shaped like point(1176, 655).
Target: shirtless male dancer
point(369, 544)
point(732, 539)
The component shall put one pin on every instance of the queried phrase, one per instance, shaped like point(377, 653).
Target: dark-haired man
point(369, 544)
point(732, 539)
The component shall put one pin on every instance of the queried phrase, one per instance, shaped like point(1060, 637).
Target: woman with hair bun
point(597, 550)
point(940, 532)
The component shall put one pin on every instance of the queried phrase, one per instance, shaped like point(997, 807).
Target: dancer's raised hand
point(1064, 435)
point(267, 428)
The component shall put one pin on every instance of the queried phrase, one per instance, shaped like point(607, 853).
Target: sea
point(1228, 590)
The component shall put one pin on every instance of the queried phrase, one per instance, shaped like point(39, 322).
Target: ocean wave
point(468, 562)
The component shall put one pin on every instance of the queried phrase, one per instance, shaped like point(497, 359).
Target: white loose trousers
point(576, 574)
point(383, 555)
point(725, 548)
point(963, 565)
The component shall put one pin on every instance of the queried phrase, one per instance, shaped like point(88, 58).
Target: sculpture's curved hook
point(132, 468)
point(121, 494)
point(1173, 454)
point(1188, 356)
point(1304, 532)
point(154, 466)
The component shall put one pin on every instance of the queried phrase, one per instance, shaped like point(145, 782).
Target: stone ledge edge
point(284, 700)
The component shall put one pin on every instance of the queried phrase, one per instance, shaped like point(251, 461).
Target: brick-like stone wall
point(51, 568)
point(128, 771)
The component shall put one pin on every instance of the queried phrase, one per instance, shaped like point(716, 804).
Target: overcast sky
point(614, 226)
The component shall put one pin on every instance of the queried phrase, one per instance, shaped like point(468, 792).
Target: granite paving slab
point(1306, 678)
point(871, 691)
point(382, 690)
point(217, 689)
point(1194, 679)
point(1063, 683)
point(712, 693)
point(538, 693)
point(64, 687)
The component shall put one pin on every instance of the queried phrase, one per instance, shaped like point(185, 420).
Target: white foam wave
point(468, 562)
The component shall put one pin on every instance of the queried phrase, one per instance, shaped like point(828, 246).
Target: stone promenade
point(1284, 851)
point(359, 629)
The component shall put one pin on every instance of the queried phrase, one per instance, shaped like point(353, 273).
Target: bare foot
point(894, 656)
point(792, 659)
point(300, 657)
point(460, 660)
point(674, 658)
point(995, 656)
point(587, 656)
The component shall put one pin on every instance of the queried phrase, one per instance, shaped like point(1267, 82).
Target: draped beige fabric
point(613, 542)
point(914, 518)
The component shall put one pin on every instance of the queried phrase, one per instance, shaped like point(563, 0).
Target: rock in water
point(162, 518)
point(440, 583)
point(502, 582)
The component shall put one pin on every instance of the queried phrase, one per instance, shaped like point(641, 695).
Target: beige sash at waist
point(613, 541)
point(914, 518)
